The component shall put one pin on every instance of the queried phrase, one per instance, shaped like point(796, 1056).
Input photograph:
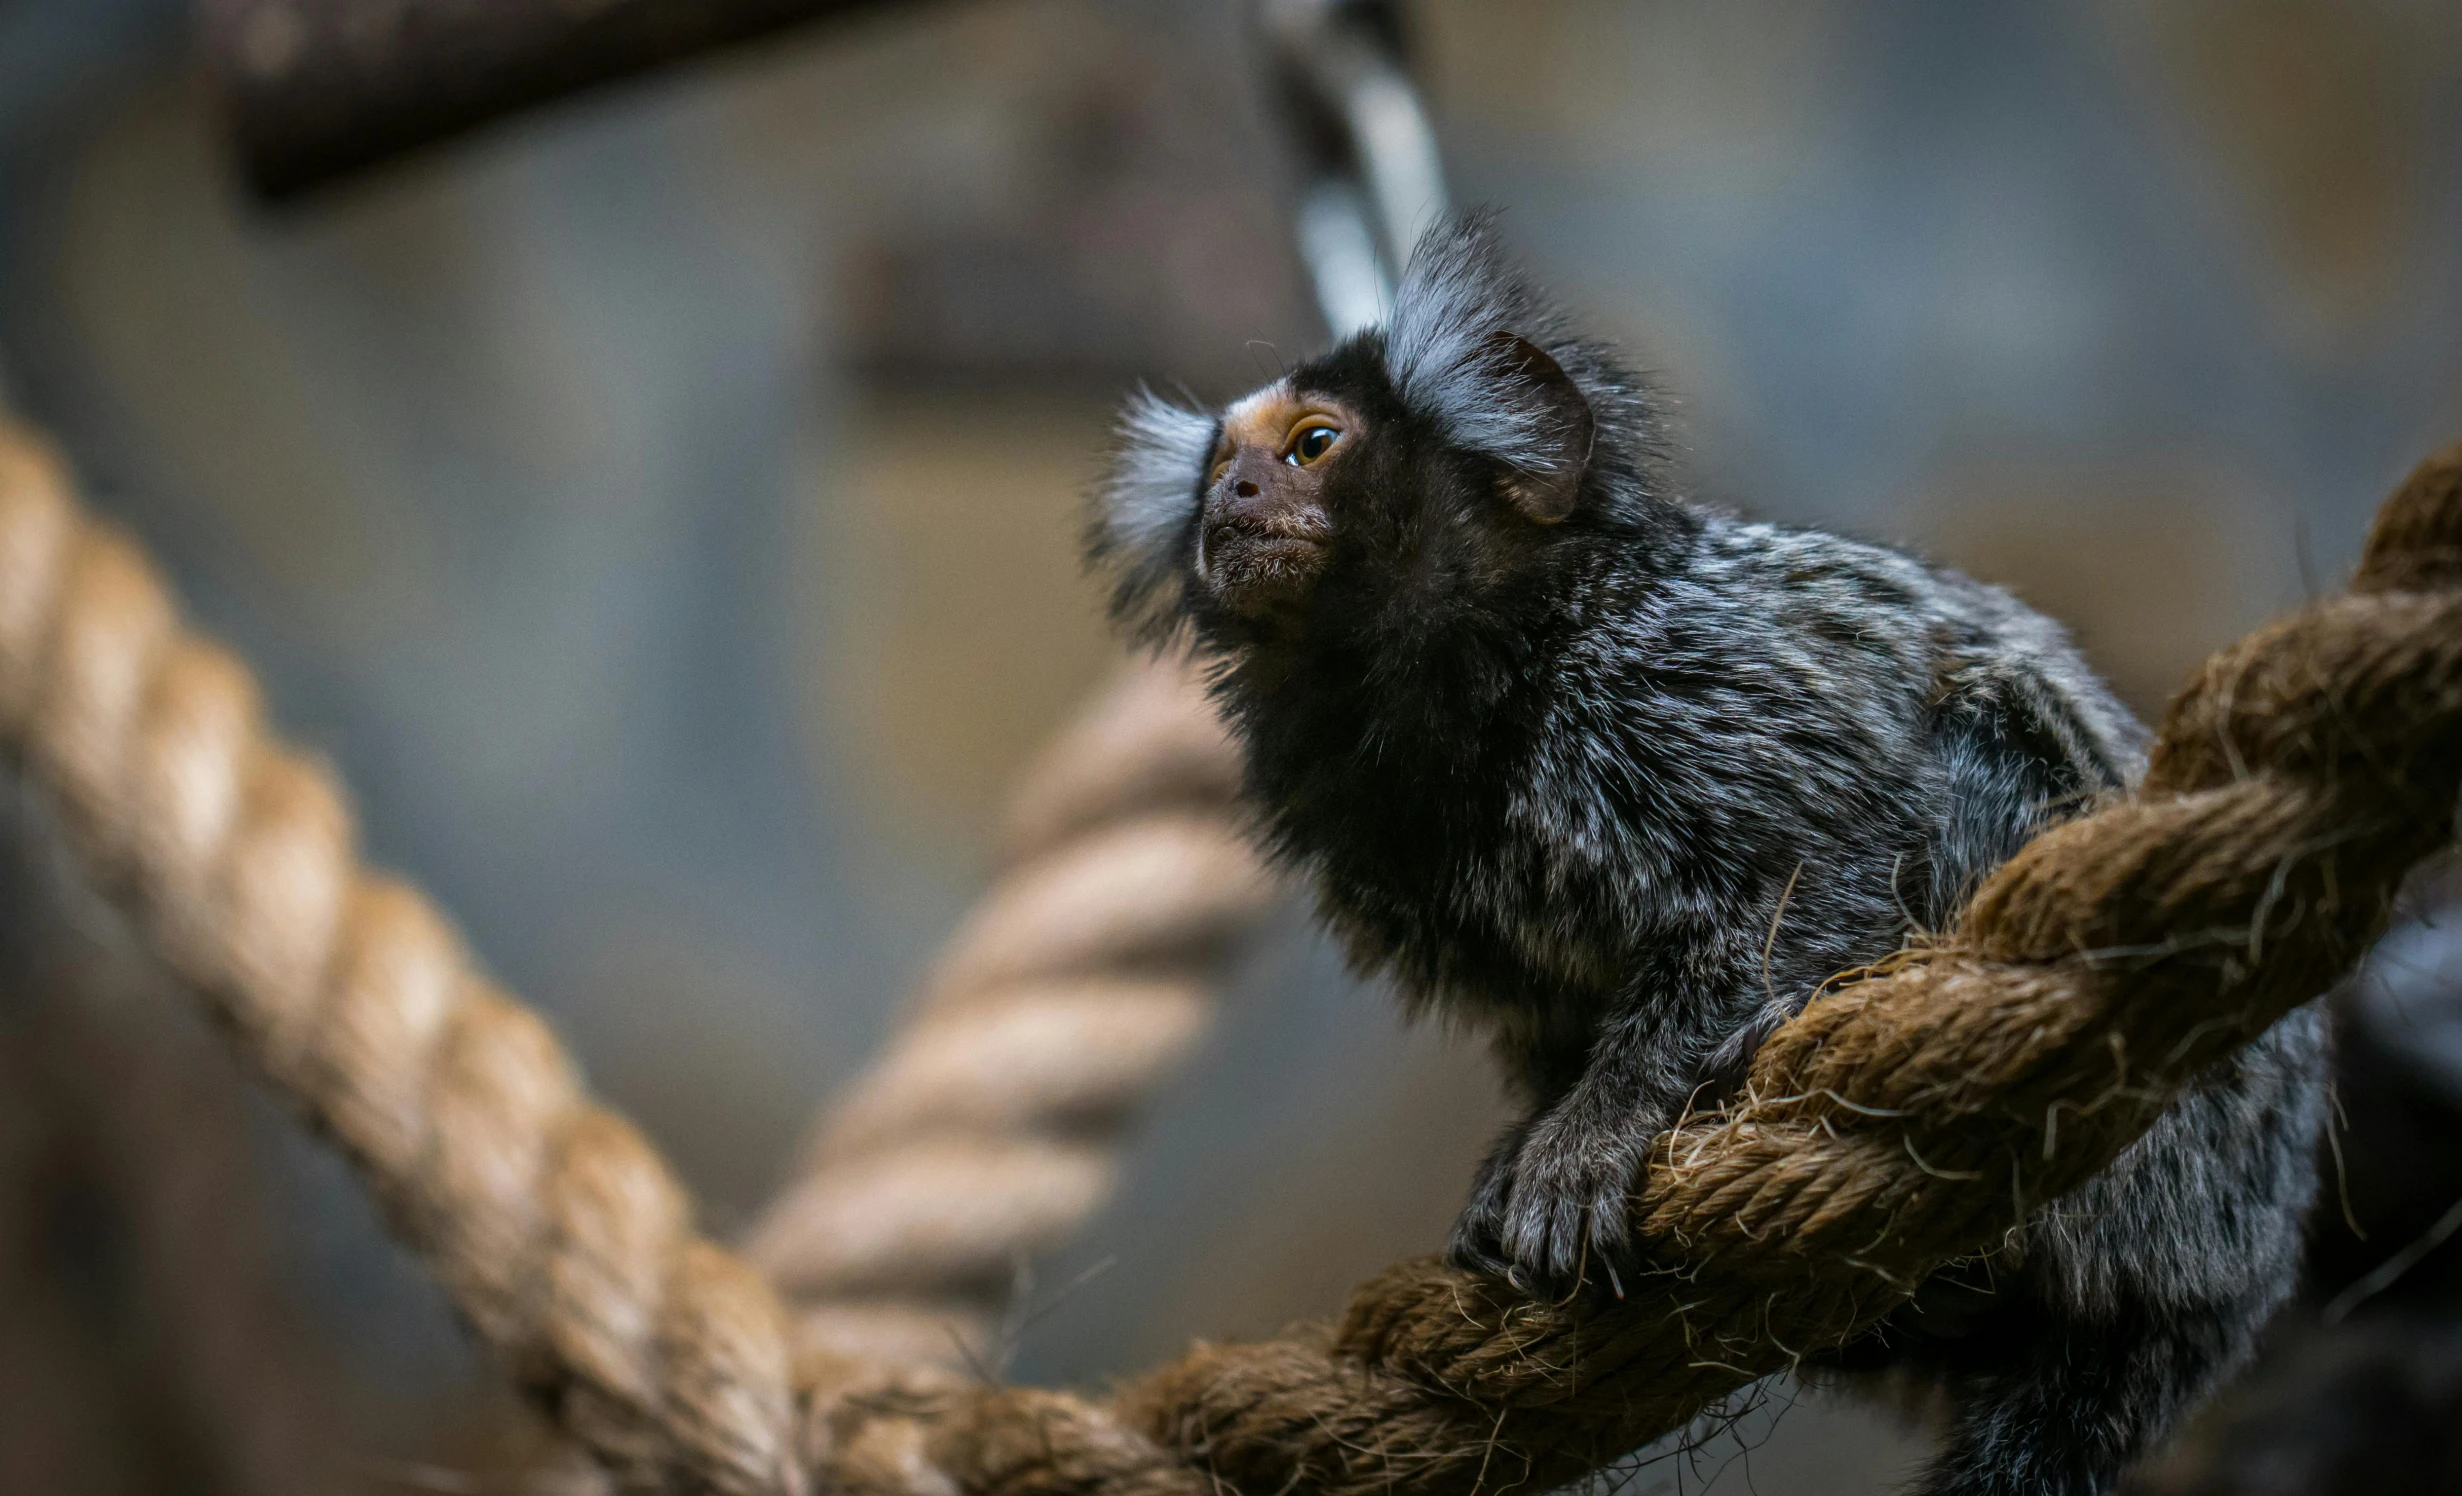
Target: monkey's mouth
point(1256, 571)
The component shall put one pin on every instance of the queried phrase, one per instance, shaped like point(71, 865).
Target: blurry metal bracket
point(318, 90)
point(1375, 180)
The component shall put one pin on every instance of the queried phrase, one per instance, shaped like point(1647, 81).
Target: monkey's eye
point(1311, 443)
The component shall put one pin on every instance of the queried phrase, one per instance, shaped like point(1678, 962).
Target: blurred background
point(662, 509)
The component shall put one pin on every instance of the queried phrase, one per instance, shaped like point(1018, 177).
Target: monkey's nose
point(1247, 497)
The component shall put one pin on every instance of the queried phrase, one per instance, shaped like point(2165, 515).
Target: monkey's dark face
point(1330, 508)
point(1412, 479)
point(1263, 529)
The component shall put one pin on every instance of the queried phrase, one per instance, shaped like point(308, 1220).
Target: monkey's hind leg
point(2065, 1409)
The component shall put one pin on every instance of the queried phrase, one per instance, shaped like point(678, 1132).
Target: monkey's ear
point(1144, 520)
point(1547, 471)
point(1465, 349)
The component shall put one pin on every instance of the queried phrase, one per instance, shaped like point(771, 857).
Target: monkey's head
point(1430, 471)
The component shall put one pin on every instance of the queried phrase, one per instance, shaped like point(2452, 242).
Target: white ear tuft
point(1459, 348)
point(1156, 471)
point(1146, 511)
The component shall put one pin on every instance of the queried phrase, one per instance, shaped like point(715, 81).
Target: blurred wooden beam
point(317, 90)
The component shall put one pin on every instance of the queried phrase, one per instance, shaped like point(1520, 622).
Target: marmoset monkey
point(1624, 782)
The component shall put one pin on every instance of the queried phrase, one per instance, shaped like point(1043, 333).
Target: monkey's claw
point(1478, 1236)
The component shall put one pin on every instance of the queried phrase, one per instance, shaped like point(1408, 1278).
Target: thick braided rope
point(992, 1125)
point(556, 1228)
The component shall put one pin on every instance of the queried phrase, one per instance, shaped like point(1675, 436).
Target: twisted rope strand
point(558, 1231)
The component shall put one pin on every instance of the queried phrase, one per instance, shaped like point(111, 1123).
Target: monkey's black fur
point(1625, 787)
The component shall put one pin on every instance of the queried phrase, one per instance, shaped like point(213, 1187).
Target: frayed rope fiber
point(1911, 1116)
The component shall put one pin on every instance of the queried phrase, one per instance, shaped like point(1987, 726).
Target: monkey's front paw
point(1568, 1216)
point(1551, 1208)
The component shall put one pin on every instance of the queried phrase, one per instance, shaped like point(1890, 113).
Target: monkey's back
point(1785, 750)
